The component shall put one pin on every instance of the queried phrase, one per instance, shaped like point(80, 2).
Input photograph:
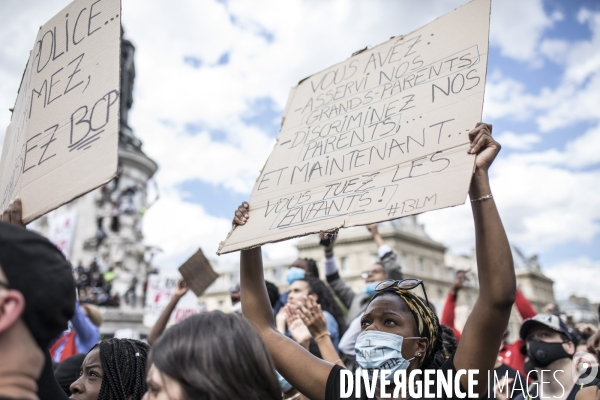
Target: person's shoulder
point(333, 389)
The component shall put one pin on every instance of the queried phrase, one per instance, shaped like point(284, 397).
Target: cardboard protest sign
point(198, 273)
point(62, 140)
point(379, 136)
point(160, 291)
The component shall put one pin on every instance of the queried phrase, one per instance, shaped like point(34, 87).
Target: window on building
point(403, 259)
point(344, 263)
point(421, 264)
point(221, 305)
point(276, 274)
point(436, 269)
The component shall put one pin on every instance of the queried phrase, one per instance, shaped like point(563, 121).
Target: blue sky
point(213, 78)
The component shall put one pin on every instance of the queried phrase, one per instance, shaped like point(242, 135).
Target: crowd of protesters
point(291, 345)
point(95, 287)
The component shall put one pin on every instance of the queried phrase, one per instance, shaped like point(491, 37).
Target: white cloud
point(180, 228)
point(555, 49)
point(545, 198)
point(517, 27)
point(578, 276)
point(581, 152)
point(516, 141)
point(574, 100)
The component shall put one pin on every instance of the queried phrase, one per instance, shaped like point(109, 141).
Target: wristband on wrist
point(487, 197)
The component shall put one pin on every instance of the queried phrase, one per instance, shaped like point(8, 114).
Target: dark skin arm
point(482, 335)
point(304, 371)
point(161, 323)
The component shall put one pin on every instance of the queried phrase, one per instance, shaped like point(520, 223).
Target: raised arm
point(88, 333)
point(304, 371)
point(340, 288)
point(387, 257)
point(485, 326)
point(450, 305)
point(161, 323)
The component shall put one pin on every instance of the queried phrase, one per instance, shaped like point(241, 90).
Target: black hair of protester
point(216, 356)
point(312, 267)
point(39, 271)
point(67, 372)
point(449, 342)
point(124, 365)
point(273, 293)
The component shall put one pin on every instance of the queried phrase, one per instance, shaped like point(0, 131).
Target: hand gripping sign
point(379, 136)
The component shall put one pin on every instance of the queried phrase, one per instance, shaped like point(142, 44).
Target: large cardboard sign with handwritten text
point(63, 136)
point(379, 136)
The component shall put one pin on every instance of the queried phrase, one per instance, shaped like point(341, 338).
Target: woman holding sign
point(399, 330)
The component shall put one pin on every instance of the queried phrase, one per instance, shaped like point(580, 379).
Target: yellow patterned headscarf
point(427, 322)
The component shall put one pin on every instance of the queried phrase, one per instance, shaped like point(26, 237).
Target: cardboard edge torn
point(222, 244)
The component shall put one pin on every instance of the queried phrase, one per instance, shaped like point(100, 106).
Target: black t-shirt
point(333, 390)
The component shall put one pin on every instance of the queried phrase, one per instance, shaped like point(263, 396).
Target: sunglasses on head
point(405, 284)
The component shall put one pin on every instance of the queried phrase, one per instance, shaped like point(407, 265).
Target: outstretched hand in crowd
point(305, 319)
point(13, 214)
point(181, 289)
point(312, 316)
point(299, 331)
point(459, 281)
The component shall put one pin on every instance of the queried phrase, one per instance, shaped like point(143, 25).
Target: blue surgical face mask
point(380, 350)
point(294, 273)
point(370, 288)
point(285, 385)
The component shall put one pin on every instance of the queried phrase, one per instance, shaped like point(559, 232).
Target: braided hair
point(449, 342)
point(124, 365)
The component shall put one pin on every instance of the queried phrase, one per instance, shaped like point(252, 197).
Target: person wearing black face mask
point(550, 350)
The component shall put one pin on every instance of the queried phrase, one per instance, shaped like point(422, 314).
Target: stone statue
point(126, 136)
